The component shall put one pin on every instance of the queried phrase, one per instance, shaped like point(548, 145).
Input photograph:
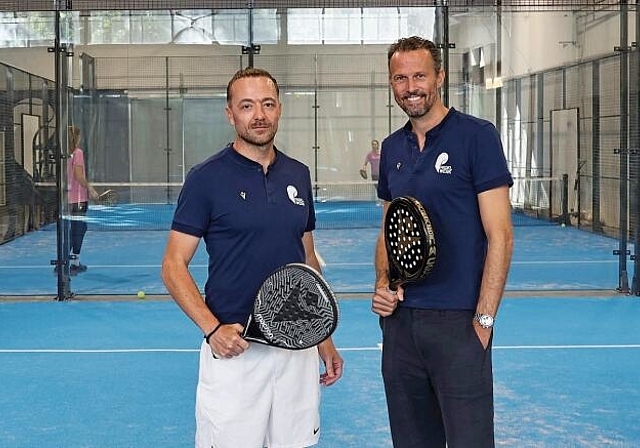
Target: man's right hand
point(227, 342)
point(385, 301)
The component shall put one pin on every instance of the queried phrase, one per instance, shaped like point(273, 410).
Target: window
point(232, 26)
point(358, 25)
point(37, 28)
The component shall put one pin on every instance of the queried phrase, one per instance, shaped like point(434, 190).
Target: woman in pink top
point(372, 158)
point(78, 192)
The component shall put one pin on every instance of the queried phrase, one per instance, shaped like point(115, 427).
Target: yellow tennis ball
point(141, 294)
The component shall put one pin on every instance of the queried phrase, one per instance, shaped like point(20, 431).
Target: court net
point(540, 200)
point(338, 205)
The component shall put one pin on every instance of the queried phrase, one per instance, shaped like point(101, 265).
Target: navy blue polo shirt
point(251, 222)
point(462, 157)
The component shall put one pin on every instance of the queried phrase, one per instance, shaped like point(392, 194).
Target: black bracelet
point(208, 336)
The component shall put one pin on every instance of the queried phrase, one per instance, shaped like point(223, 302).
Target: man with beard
point(253, 207)
point(437, 333)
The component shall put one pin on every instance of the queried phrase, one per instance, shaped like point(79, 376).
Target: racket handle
point(394, 278)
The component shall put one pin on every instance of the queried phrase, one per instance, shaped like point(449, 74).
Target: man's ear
point(227, 111)
point(441, 76)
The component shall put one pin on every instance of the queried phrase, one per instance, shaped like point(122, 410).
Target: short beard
point(419, 112)
point(262, 141)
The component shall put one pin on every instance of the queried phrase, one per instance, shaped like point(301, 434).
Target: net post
point(623, 284)
point(564, 205)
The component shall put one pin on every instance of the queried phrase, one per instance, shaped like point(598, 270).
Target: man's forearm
point(381, 263)
point(186, 294)
point(494, 277)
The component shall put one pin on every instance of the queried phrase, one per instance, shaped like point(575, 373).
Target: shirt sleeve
point(192, 210)
point(383, 183)
point(489, 163)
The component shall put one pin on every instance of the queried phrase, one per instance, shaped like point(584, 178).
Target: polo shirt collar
point(248, 163)
point(437, 128)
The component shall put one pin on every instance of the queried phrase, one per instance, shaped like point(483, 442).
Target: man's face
point(415, 82)
point(254, 110)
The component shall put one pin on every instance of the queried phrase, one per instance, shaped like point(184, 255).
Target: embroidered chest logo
point(441, 166)
point(292, 192)
point(243, 195)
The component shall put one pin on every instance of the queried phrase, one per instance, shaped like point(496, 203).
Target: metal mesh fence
point(454, 5)
point(26, 152)
point(150, 118)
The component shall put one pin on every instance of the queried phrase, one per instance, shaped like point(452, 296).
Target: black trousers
point(438, 380)
point(78, 226)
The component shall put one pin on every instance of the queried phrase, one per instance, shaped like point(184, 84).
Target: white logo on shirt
point(440, 164)
point(398, 166)
point(243, 195)
point(292, 192)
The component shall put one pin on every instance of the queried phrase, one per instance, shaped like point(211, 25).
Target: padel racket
point(363, 174)
point(294, 309)
point(109, 197)
point(409, 240)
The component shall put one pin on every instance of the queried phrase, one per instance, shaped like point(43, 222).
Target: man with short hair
point(240, 203)
point(437, 332)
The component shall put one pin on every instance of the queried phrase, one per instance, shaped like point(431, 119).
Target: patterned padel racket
point(409, 240)
point(294, 309)
point(109, 197)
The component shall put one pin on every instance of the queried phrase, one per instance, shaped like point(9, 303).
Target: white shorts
point(266, 397)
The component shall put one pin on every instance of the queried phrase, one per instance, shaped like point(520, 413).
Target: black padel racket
point(294, 309)
point(410, 241)
point(109, 197)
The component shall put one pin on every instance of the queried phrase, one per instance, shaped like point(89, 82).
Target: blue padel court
point(124, 245)
point(103, 374)
point(107, 369)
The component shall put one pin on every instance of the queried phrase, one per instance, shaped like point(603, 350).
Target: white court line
point(512, 262)
point(565, 262)
point(557, 347)
point(322, 262)
point(93, 265)
point(117, 350)
point(346, 349)
point(564, 347)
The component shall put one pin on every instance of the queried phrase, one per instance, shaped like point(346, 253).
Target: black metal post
point(61, 262)
point(316, 107)
point(167, 109)
point(596, 223)
point(635, 285)
point(622, 252)
point(497, 74)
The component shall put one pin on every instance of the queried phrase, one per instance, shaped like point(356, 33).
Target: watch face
point(485, 320)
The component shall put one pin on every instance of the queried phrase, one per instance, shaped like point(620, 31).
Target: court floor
point(122, 373)
point(109, 370)
point(124, 262)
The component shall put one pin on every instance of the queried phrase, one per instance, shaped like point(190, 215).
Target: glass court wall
point(147, 84)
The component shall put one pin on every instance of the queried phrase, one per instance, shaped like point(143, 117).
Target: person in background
point(437, 332)
point(253, 206)
point(79, 190)
point(373, 159)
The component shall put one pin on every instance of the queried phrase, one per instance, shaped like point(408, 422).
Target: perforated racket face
point(295, 308)
point(109, 197)
point(409, 239)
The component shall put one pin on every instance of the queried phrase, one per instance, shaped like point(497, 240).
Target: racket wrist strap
point(212, 332)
